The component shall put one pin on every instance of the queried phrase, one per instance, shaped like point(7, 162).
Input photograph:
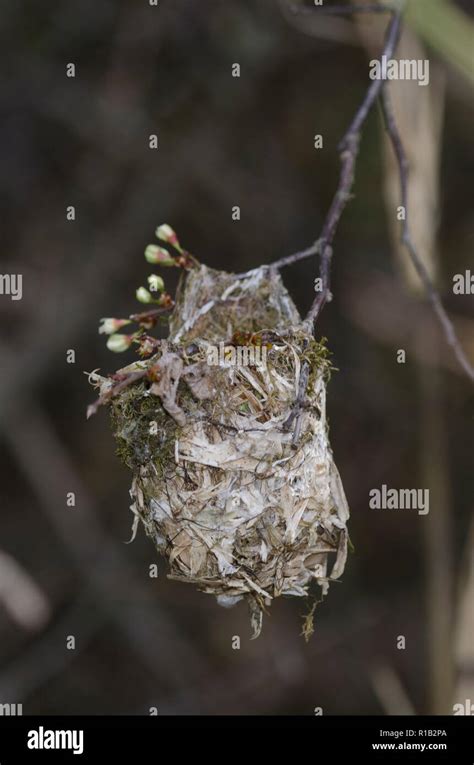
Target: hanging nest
point(240, 504)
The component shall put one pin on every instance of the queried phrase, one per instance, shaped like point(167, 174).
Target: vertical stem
point(437, 533)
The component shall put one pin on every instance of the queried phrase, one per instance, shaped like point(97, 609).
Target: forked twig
point(349, 148)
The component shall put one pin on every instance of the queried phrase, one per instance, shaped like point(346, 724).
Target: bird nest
point(235, 487)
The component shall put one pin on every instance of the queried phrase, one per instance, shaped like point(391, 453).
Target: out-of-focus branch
point(448, 30)
point(98, 558)
point(41, 662)
point(381, 308)
point(390, 691)
point(339, 10)
point(432, 293)
point(464, 646)
point(21, 597)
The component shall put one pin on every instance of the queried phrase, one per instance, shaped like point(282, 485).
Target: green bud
point(158, 256)
point(143, 296)
point(156, 283)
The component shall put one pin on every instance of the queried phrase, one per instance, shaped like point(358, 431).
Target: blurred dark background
point(223, 141)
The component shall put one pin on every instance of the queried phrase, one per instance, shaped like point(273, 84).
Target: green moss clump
point(318, 355)
point(143, 430)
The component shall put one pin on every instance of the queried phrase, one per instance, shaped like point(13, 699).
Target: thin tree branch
point(406, 240)
point(348, 149)
point(296, 256)
point(114, 390)
point(152, 315)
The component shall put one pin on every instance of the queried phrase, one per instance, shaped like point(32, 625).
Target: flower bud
point(166, 234)
point(159, 256)
point(156, 283)
point(143, 296)
point(109, 326)
point(119, 343)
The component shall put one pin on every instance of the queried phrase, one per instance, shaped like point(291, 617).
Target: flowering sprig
point(155, 296)
point(159, 256)
point(147, 345)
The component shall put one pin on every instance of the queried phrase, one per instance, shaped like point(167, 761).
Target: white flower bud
point(156, 283)
point(166, 234)
point(119, 343)
point(143, 296)
point(109, 326)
